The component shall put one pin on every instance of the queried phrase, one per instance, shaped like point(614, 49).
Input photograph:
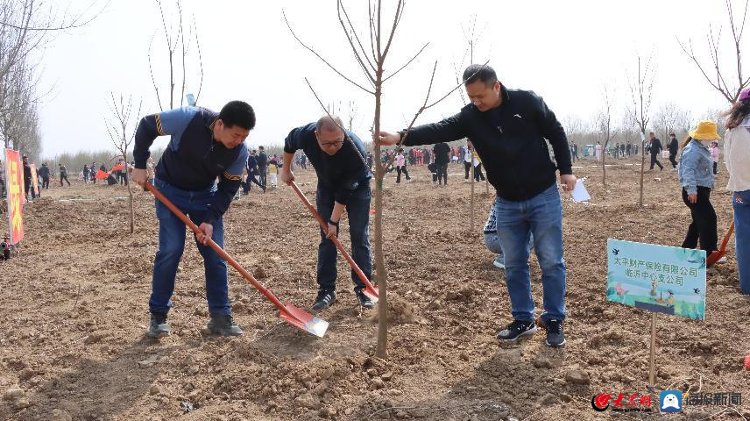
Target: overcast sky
point(566, 51)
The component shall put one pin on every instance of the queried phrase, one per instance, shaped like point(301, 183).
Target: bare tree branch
point(407, 63)
point(322, 59)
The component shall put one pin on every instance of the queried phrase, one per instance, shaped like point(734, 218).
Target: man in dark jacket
point(655, 148)
point(27, 179)
point(44, 175)
point(251, 167)
point(442, 158)
point(262, 159)
point(508, 129)
point(204, 146)
point(343, 183)
point(673, 146)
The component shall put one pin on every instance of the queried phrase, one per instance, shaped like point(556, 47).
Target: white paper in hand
point(580, 194)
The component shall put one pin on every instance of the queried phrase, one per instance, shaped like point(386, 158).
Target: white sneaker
point(499, 262)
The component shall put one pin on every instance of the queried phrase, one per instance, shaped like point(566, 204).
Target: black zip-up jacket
point(510, 141)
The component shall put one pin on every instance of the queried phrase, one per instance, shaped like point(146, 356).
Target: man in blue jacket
point(343, 184)
point(508, 129)
point(204, 145)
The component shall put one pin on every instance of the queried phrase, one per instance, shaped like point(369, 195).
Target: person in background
point(262, 160)
point(401, 166)
point(697, 179)
point(44, 175)
point(737, 159)
point(655, 148)
point(63, 175)
point(715, 152)
point(673, 146)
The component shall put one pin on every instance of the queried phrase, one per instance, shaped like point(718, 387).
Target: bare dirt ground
point(73, 312)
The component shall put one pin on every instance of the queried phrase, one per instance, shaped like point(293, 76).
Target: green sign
point(663, 279)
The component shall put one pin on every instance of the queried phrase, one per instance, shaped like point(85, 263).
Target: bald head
point(329, 124)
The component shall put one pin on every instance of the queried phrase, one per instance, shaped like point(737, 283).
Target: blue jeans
point(741, 204)
point(172, 244)
point(358, 211)
point(516, 222)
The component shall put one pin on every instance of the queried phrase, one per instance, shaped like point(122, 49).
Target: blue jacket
point(696, 167)
point(193, 159)
point(341, 173)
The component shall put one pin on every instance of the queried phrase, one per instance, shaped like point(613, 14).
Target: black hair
point(481, 72)
point(238, 113)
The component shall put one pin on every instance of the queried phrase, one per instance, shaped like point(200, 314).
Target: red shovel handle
point(335, 240)
point(220, 251)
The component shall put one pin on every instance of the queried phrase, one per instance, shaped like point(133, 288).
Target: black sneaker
point(555, 335)
point(324, 300)
point(516, 330)
point(222, 324)
point(158, 327)
point(364, 300)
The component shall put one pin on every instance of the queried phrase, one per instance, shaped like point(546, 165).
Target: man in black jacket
point(442, 158)
point(673, 146)
point(508, 129)
point(343, 184)
point(262, 159)
point(44, 175)
point(654, 147)
point(27, 179)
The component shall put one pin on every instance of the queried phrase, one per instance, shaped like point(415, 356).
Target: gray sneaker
point(222, 324)
point(158, 327)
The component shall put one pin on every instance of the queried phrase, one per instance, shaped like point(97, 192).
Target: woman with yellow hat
point(737, 159)
point(697, 179)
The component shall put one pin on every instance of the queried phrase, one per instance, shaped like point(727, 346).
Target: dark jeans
point(246, 186)
point(716, 168)
point(478, 174)
point(467, 167)
point(64, 177)
point(655, 161)
point(400, 170)
point(703, 226)
point(442, 173)
point(27, 186)
point(672, 159)
point(122, 177)
point(262, 174)
point(172, 244)
point(45, 182)
point(358, 211)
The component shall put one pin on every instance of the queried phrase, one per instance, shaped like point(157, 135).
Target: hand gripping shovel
point(718, 254)
point(369, 290)
point(294, 315)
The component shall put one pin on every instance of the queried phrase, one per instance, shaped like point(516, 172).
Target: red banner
point(101, 175)
point(14, 187)
point(118, 167)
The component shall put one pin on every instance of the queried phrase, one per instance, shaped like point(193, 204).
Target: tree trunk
point(132, 212)
point(382, 275)
point(643, 165)
point(604, 168)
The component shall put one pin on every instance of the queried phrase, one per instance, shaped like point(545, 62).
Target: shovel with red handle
point(718, 254)
point(369, 290)
point(293, 315)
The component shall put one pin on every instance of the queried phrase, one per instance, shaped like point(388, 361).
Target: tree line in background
point(25, 27)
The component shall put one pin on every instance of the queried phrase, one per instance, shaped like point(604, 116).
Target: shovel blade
point(305, 321)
